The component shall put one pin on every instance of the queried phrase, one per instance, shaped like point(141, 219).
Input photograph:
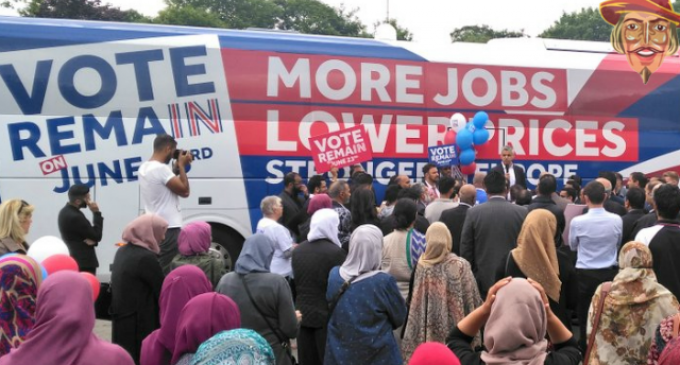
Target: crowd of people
point(434, 272)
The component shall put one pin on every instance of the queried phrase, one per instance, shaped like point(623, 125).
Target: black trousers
point(168, 249)
point(588, 281)
point(311, 345)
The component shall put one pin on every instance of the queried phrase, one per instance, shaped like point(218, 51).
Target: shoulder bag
point(284, 343)
point(606, 287)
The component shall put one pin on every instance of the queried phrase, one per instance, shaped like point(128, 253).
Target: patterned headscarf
point(636, 304)
point(536, 255)
point(146, 231)
point(416, 243)
point(235, 347)
point(20, 277)
point(194, 239)
point(438, 246)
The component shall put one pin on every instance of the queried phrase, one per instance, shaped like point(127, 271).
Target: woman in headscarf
point(20, 278)
point(516, 317)
point(316, 203)
point(236, 347)
point(632, 310)
point(179, 287)
point(264, 298)
point(431, 353)
point(665, 333)
point(64, 321)
point(444, 291)
point(365, 306)
point(203, 317)
point(194, 249)
point(16, 217)
point(400, 251)
point(312, 262)
point(537, 258)
point(136, 282)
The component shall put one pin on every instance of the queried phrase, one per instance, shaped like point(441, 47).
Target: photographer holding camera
point(160, 189)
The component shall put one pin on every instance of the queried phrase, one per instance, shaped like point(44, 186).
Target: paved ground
point(103, 329)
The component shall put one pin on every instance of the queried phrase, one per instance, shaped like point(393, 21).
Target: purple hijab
point(64, 322)
point(194, 239)
point(203, 317)
point(318, 202)
point(179, 287)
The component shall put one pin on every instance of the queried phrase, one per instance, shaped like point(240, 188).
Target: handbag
point(606, 287)
point(284, 343)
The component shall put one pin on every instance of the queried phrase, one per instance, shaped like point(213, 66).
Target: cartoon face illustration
point(644, 30)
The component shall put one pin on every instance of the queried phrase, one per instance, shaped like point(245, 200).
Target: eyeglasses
point(24, 204)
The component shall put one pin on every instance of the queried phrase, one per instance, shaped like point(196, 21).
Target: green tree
point(188, 15)
point(315, 17)
point(80, 9)
point(237, 14)
point(482, 34)
point(586, 25)
point(403, 34)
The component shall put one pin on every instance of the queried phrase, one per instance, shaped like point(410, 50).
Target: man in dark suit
point(514, 174)
point(293, 203)
point(454, 218)
point(635, 203)
point(490, 231)
point(547, 185)
point(76, 231)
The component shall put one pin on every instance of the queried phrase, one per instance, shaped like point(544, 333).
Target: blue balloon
point(480, 136)
point(467, 157)
point(480, 120)
point(44, 272)
point(464, 139)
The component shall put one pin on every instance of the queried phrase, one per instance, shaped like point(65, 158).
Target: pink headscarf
point(319, 201)
point(179, 287)
point(194, 239)
point(146, 231)
point(515, 331)
point(64, 322)
point(433, 353)
point(203, 317)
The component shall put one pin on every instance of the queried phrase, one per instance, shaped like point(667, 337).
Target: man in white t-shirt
point(160, 189)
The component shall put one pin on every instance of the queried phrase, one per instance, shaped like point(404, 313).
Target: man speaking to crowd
point(160, 190)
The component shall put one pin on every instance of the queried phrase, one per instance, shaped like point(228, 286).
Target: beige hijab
point(146, 231)
point(536, 255)
point(439, 243)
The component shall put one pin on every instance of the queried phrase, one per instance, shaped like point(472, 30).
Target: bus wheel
point(228, 242)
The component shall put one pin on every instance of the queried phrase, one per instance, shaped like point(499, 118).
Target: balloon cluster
point(467, 135)
point(53, 255)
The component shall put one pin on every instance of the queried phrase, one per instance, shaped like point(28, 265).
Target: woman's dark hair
point(363, 208)
point(391, 194)
point(404, 213)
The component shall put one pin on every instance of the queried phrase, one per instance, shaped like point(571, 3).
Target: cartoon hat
point(612, 10)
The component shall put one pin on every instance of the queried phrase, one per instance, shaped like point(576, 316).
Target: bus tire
point(228, 242)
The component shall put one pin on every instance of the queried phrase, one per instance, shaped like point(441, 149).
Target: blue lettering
point(131, 167)
point(181, 71)
point(207, 152)
point(29, 104)
point(113, 124)
point(68, 89)
point(105, 172)
point(65, 182)
point(30, 142)
point(140, 61)
point(147, 113)
point(91, 179)
point(57, 136)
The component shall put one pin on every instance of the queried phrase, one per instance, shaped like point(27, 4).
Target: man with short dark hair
point(341, 193)
point(431, 180)
point(293, 203)
point(160, 189)
point(664, 238)
point(595, 236)
point(513, 173)
point(612, 194)
point(568, 193)
point(523, 198)
point(316, 185)
point(635, 203)
point(447, 189)
point(80, 236)
point(490, 231)
point(649, 219)
point(415, 193)
point(637, 179)
point(547, 185)
point(454, 218)
point(401, 180)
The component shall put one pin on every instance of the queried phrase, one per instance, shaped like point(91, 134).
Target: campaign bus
point(81, 102)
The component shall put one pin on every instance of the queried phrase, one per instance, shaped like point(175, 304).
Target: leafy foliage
point(482, 34)
point(80, 9)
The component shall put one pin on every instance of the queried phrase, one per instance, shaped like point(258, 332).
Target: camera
point(178, 152)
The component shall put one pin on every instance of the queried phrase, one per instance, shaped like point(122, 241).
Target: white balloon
point(457, 122)
point(47, 246)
